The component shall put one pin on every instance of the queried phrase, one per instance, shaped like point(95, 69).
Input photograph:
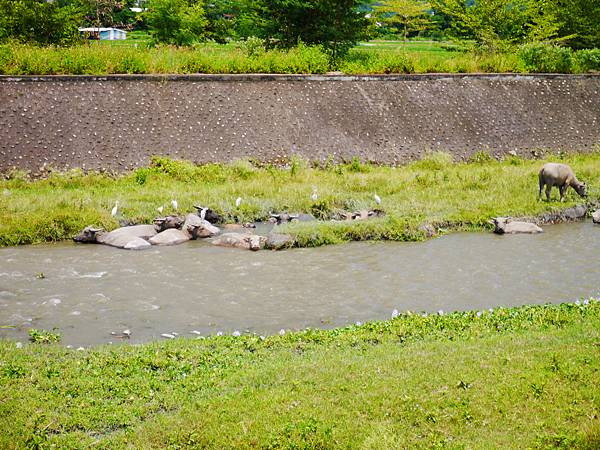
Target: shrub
point(544, 58)
point(588, 60)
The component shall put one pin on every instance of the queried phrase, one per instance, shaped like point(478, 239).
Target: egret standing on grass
point(174, 203)
point(115, 209)
point(377, 199)
point(238, 202)
point(314, 195)
point(160, 209)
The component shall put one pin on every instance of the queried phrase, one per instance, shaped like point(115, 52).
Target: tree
point(334, 24)
point(176, 21)
point(497, 23)
point(405, 15)
point(39, 21)
point(108, 13)
point(579, 22)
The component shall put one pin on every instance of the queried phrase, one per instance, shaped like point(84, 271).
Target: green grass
point(436, 191)
point(377, 57)
point(522, 377)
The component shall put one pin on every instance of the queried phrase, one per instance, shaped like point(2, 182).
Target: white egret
point(314, 195)
point(115, 209)
point(174, 204)
point(238, 202)
point(160, 209)
point(377, 199)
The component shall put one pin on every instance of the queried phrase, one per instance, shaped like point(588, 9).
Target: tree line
point(335, 25)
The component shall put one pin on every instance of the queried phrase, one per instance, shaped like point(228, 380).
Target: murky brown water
point(90, 291)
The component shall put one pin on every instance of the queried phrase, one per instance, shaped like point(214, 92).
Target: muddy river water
point(89, 291)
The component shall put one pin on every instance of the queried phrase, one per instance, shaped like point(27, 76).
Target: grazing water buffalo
point(131, 238)
point(561, 176)
point(240, 240)
point(505, 225)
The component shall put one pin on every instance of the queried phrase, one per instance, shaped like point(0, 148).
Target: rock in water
point(276, 241)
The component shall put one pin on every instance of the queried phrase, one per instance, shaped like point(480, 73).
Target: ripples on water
point(90, 291)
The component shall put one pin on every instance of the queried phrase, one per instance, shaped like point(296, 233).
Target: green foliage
point(176, 21)
point(588, 60)
point(578, 22)
point(405, 16)
point(334, 24)
point(480, 157)
point(462, 378)
point(544, 58)
point(39, 21)
point(497, 24)
point(43, 336)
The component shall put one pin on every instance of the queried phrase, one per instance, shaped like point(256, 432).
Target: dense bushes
point(543, 58)
point(251, 57)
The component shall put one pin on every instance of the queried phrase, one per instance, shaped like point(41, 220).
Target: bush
point(588, 60)
point(544, 58)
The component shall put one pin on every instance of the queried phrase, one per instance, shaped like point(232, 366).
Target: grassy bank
point(511, 378)
point(16, 59)
point(436, 191)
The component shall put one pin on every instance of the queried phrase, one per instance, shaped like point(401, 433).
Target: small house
point(109, 34)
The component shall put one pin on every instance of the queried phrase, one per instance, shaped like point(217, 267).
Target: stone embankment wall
point(119, 122)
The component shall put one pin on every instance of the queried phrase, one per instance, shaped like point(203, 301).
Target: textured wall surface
point(119, 122)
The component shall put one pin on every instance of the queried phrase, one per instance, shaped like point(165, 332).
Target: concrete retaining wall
point(118, 122)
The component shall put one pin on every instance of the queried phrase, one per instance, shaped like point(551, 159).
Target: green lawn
point(435, 191)
point(513, 378)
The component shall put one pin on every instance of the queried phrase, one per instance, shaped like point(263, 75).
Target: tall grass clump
point(363, 61)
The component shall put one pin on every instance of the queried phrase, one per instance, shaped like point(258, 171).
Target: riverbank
point(431, 195)
point(518, 377)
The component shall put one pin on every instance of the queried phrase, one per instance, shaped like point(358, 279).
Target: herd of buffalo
point(172, 230)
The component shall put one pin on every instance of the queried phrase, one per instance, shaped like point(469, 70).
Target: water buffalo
point(505, 225)
point(167, 223)
point(561, 176)
point(193, 228)
point(240, 240)
point(208, 214)
point(130, 238)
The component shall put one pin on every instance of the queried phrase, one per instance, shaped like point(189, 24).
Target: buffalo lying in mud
point(505, 225)
point(192, 228)
point(166, 231)
point(168, 223)
point(561, 176)
point(131, 238)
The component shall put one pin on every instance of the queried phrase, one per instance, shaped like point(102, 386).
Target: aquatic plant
point(43, 336)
